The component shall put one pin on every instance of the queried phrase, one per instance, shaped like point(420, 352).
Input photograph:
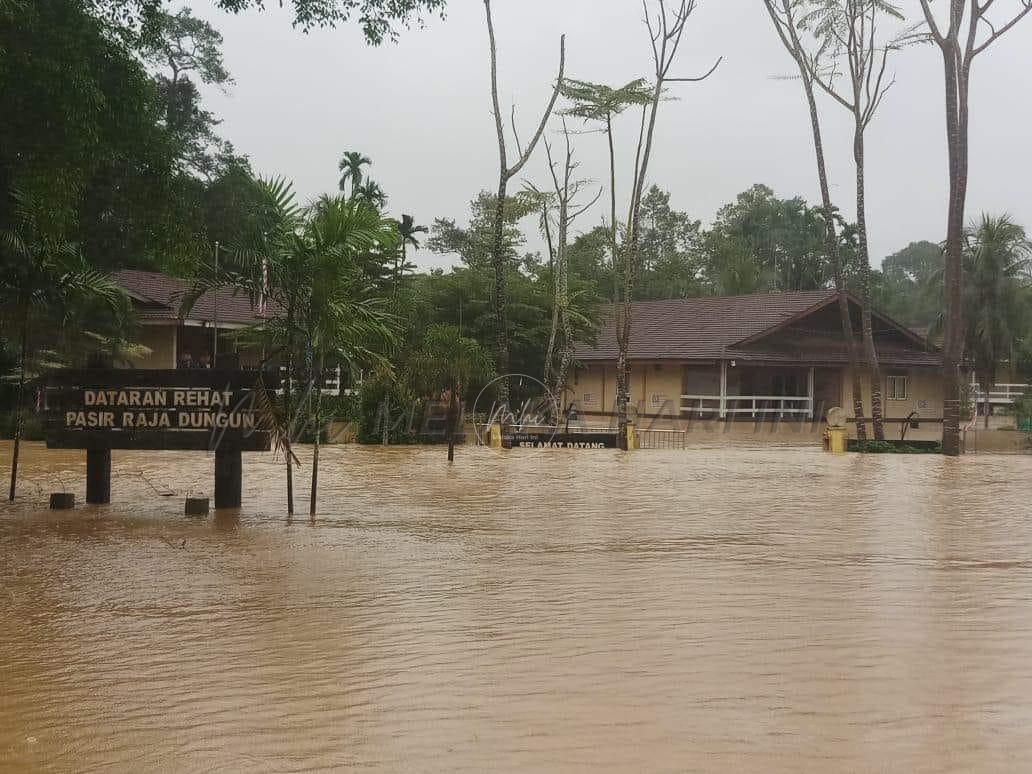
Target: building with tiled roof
point(176, 336)
point(767, 354)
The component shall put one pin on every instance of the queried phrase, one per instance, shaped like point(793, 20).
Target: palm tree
point(43, 277)
point(448, 362)
point(327, 304)
point(371, 193)
point(996, 261)
point(407, 230)
point(350, 166)
point(257, 266)
point(340, 315)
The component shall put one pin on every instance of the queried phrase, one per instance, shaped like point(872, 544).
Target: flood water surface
point(722, 608)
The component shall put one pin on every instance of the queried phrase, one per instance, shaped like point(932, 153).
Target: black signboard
point(152, 409)
point(191, 409)
point(557, 440)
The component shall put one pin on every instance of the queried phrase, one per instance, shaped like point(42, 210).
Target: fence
point(661, 439)
point(1001, 394)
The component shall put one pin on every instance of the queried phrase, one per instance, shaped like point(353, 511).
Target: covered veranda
point(731, 389)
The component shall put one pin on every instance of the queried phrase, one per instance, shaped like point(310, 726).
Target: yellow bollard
point(495, 436)
point(837, 439)
point(632, 437)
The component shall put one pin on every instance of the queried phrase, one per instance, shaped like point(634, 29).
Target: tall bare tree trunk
point(506, 173)
point(500, 297)
point(953, 341)
point(788, 33)
point(958, 55)
point(871, 353)
point(566, 353)
point(554, 328)
point(665, 33)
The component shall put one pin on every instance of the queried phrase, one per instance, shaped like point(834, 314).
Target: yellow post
point(837, 439)
point(495, 436)
point(632, 437)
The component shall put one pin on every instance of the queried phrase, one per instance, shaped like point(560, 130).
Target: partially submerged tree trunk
point(289, 416)
point(451, 420)
point(986, 382)
point(871, 353)
point(787, 29)
point(317, 380)
point(854, 39)
point(959, 49)
point(19, 408)
point(665, 33)
point(553, 331)
point(499, 258)
point(566, 191)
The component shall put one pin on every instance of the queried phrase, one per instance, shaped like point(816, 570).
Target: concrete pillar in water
point(98, 476)
point(228, 476)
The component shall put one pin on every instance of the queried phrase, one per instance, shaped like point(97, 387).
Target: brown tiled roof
point(716, 327)
point(158, 297)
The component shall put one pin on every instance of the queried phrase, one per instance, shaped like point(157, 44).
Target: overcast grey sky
point(421, 110)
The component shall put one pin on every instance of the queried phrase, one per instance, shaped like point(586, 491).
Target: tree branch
point(525, 156)
point(698, 78)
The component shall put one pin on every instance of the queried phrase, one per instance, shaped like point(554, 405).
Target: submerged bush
point(888, 447)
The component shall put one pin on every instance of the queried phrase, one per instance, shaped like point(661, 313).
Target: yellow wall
point(658, 392)
point(654, 390)
point(161, 339)
point(924, 394)
point(593, 388)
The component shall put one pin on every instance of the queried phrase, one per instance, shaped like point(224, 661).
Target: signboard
point(153, 409)
point(547, 440)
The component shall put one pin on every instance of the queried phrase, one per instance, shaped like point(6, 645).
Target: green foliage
point(188, 48)
point(670, 249)
point(598, 102)
point(447, 360)
point(390, 400)
point(996, 310)
point(128, 163)
point(760, 242)
point(81, 118)
point(997, 303)
point(32, 426)
point(379, 18)
point(903, 287)
point(889, 447)
point(473, 243)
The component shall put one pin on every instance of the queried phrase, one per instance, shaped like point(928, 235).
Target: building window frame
point(897, 386)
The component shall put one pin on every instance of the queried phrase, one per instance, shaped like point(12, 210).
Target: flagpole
point(215, 315)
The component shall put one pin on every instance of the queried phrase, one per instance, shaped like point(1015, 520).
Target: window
point(898, 387)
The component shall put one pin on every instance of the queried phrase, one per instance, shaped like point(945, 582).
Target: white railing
point(330, 382)
point(747, 404)
point(1000, 393)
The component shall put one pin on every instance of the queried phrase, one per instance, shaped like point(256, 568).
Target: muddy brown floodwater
point(727, 608)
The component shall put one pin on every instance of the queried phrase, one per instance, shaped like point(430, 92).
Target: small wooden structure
point(180, 409)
